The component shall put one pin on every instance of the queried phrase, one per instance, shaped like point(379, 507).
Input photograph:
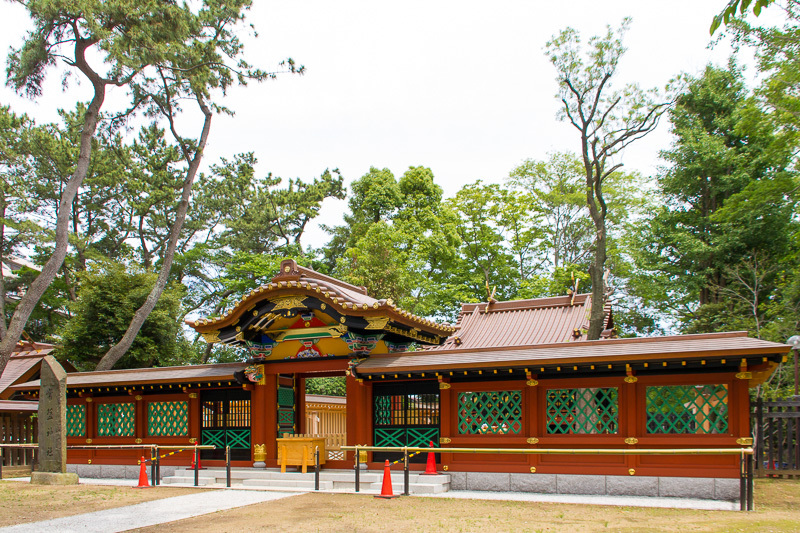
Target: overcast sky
point(461, 87)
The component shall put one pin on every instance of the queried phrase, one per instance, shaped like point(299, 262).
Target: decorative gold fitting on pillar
point(192, 395)
point(260, 452)
point(444, 467)
point(631, 379)
point(631, 471)
point(745, 441)
point(443, 385)
point(193, 440)
point(445, 440)
point(531, 383)
point(138, 397)
point(532, 440)
point(744, 375)
point(88, 462)
point(138, 441)
point(533, 470)
point(362, 456)
point(631, 440)
point(88, 441)
point(88, 400)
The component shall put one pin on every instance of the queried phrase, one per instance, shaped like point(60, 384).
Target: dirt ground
point(777, 504)
point(22, 502)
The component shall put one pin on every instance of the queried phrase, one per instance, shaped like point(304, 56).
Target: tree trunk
point(37, 289)
point(2, 277)
point(116, 352)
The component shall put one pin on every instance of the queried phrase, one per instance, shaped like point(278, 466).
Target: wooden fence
point(776, 431)
point(333, 443)
point(17, 429)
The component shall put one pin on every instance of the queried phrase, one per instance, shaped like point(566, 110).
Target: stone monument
point(53, 426)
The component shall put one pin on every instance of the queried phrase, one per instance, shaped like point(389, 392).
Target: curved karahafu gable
point(300, 303)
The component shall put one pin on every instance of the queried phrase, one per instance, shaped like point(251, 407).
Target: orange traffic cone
point(386, 488)
point(199, 463)
point(143, 484)
point(430, 468)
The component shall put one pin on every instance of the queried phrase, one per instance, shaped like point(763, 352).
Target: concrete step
point(201, 480)
point(370, 482)
point(293, 484)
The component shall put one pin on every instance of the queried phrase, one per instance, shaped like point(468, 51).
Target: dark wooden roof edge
point(427, 360)
point(600, 342)
point(303, 287)
point(552, 362)
point(143, 376)
point(19, 405)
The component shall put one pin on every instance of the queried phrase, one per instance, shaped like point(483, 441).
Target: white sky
point(461, 87)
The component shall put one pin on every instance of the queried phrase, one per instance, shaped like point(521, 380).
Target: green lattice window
point(168, 419)
point(491, 412)
point(582, 411)
point(286, 396)
point(76, 420)
point(687, 409)
point(397, 437)
point(115, 419)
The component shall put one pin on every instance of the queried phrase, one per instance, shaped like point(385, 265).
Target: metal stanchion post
point(358, 472)
point(157, 478)
point(405, 472)
point(228, 466)
point(196, 471)
point(152, 466)
point(742, 483)
point(316, 467)
point(750, 497)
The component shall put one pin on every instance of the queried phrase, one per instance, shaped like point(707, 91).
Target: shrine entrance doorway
point(225, 418)
point(405, 414)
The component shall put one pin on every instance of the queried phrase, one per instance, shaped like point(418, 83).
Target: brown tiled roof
point(619, 350)
point(170, 374)
point(522, 322)
point(10, 406)
point(24, 360)
point(346, 298)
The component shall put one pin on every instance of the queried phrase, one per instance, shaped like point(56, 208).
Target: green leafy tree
point(208, 60)
point(487, 266)
point(557, 200)
point(122, 39)
point(109, 298)
point(398, 241)
point(607, 121)
point(711, 253)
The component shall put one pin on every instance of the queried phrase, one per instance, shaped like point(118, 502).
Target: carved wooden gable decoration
point(302, 314)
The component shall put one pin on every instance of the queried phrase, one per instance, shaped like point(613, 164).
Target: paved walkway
point(149, 513)
point(623, 501)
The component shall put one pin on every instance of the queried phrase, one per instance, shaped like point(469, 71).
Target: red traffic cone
point(430, 468)
point(386, 488)
point(143, 484)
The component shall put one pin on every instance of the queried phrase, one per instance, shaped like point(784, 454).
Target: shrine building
point(516, 374)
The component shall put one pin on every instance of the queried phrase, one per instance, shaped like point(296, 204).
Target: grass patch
point(776, 504)
point(22, 502)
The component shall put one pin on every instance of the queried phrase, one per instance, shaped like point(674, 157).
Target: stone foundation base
point(116, 471)
point(725, 489)
point(54, 478)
